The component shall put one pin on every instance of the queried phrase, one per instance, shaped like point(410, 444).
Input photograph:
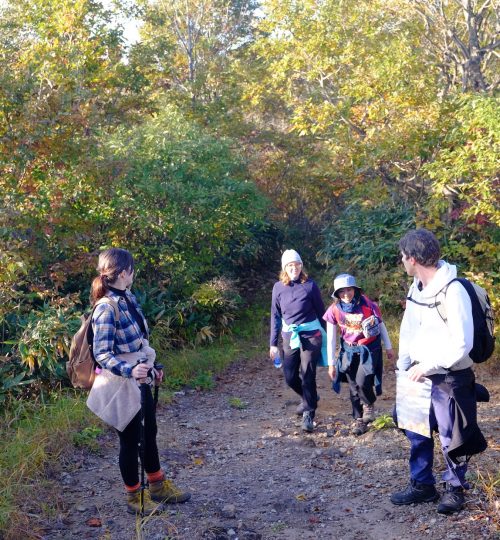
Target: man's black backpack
point(482, 315)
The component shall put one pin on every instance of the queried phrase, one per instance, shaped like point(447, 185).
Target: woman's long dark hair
point(109, 266)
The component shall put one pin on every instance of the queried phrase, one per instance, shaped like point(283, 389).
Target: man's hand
point(416, 374)
point(390, 354)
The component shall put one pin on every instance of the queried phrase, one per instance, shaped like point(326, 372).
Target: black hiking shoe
point(300, 408)
point(452, 500)
point(307, 421)
point(415, 493)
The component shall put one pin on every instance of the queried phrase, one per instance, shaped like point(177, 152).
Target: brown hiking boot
point(165, 491)
point(359, 427)
point(368, 413)
point(134, 503)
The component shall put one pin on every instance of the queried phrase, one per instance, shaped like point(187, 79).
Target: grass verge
point(34, 437)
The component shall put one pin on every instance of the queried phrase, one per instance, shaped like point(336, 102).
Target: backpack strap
point(367, 308)
point(433, 305)
point(111, 302)
point(437, 303)
point(102, 300)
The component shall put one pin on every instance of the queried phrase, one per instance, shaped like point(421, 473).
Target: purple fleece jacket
point(296, 303)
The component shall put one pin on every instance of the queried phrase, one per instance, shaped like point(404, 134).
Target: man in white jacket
point(437, 346)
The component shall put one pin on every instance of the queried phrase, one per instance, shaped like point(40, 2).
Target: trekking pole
point(157, 386)
point(143, 387)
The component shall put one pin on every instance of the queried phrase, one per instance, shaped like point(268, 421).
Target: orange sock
point(131, 489)
point(156, 476)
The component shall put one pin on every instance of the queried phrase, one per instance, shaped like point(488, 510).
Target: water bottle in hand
point(277, 360)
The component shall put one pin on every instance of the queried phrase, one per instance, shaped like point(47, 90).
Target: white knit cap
point(289, 256)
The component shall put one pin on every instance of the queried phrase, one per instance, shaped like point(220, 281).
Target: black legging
point(299, 367)
point(129, 444)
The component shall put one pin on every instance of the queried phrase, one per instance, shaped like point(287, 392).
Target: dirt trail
point(255, 475)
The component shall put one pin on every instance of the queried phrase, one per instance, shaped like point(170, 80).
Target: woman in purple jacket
point(297, 311)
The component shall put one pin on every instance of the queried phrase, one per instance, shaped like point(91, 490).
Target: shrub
point(363, 240)
point(207, 314)
point(364, 236)
point(45, 340)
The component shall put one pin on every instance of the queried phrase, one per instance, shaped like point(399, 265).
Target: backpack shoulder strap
point(443, 291)
point(103, 300)
point(111, 302)
point(432, 305)
point(336, 312)
point(366, 307)
point(440, 306)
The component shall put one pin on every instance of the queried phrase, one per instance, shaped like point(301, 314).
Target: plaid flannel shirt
point(111, 339)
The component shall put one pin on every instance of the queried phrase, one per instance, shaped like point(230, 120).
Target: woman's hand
point(390, 354)
point(332, 372)
point(158, 375)
point(273, 351)
point(140, 371)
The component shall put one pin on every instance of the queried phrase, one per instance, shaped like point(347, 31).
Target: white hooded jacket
point(425, 338)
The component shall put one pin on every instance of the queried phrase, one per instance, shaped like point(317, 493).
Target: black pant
point(129, 444)
point(360, 384)
point(299, 366)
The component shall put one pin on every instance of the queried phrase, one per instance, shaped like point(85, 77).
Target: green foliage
point(33, 435)
point(87, 438)
point(384, 421)
point(363, 240)
point(347, 79)
point(12, 379)
point(175, 383)
point(45, 340)
point(237, 403)
point(72, 181)
point(207, 314)
point(183, 204)
point(203, 381)
point(153, 301)
point(366, 235)
point(193, 45)
point(219, 299)
point(343, 114)
point(463, 205)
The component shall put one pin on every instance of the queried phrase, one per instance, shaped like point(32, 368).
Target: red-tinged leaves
point(94, 522)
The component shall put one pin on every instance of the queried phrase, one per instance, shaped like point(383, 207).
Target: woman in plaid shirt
point(121, 349)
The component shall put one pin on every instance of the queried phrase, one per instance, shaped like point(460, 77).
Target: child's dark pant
point(360, 385)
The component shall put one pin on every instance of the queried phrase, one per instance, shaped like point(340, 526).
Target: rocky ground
point(254, 474)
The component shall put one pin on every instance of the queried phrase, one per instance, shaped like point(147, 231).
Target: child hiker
point(359, 361)
point(296, 311)
point(122, 350)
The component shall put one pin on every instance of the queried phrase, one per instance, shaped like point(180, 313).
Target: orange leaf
point(94, 522)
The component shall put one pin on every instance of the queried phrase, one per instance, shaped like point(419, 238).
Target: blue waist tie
point(306, 327)
point(366, 362)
